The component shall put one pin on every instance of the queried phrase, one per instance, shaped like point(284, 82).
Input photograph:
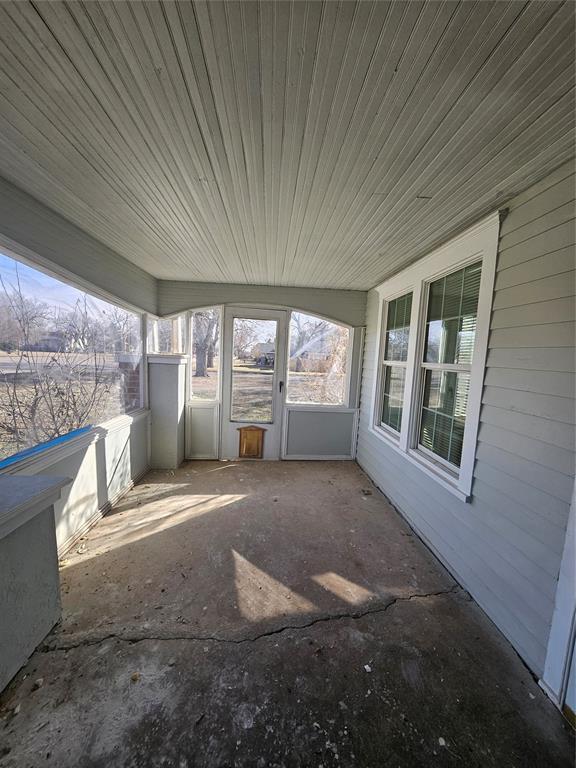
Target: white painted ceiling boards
point(319, 144)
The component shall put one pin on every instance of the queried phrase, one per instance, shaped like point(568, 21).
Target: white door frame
point(229, 438)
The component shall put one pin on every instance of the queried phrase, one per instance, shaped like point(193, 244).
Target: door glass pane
point(444, 413)
point(254, 360)
point(393, 396)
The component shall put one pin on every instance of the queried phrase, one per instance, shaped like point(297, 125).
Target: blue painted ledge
point(43, 446)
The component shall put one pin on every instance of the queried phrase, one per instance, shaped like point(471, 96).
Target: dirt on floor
point(270, 614)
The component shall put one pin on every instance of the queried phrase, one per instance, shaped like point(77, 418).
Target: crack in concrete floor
point(89, 641)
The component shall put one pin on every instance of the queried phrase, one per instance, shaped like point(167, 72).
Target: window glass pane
point(166, 335)
point(254, 352)
point(318, 359)
point(398, 328)
point(205, 347)
point(435, 300)
point(393, 396)
point(452, 299)
point(471, 289)
point(67, 359)
point(444, 413)
point(451, 322)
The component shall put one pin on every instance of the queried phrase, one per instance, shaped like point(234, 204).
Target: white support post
point(167, 394)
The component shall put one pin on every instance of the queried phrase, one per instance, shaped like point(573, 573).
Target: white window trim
point(479, 243)
point(393, 435)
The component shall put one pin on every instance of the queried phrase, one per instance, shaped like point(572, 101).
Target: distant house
point(52, 341)
point(316, 349)
point(264, 354)
point(315, 355)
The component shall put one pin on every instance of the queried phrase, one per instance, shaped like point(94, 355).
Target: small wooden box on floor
point(251, 442)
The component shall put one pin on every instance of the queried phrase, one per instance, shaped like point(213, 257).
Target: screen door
point(254, 377)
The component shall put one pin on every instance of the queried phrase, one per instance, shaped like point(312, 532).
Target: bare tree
point(305, 332)
point(79, 331)
point(46, 393)
point(8, 326)
point(318, 353)
point(21, 318)
point(204, 339)
point(122, 332)
point(211, 351)
point(245, 336)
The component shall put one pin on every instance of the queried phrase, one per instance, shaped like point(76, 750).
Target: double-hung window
point(449, 336)
point(395, 355)
point(433, 339)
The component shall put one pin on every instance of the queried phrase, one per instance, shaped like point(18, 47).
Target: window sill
point(427, 466)
point(387, 435)
point(317, 406)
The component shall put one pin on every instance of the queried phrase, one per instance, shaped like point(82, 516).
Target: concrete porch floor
point(270, 614)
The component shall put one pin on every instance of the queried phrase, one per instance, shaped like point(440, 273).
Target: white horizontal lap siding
point(505, 546)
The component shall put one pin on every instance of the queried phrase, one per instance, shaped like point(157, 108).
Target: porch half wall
point(102, 465)
point(505, 546)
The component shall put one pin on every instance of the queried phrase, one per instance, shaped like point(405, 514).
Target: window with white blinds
point(434, 327)
point(449, 344)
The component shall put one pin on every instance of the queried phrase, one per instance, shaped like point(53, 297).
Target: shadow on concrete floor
point(271, 614)
point(234, 550)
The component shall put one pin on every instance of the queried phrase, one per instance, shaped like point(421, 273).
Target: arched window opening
point(318, 361)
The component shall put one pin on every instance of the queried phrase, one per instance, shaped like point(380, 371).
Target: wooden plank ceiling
point(308, 143)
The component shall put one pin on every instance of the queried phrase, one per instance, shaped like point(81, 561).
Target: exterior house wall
point(505, 546)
